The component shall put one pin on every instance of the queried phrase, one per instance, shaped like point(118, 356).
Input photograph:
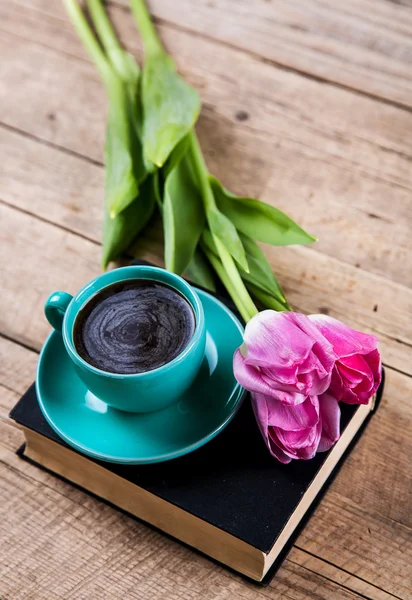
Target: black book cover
point(232, 482)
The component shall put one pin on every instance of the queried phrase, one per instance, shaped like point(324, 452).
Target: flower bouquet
point(298, 368)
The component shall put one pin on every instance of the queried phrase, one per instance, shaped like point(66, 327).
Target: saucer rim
point(237, 391)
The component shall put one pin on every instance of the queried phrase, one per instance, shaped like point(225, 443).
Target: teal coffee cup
point(138, 392)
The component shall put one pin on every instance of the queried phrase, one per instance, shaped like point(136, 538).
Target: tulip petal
point(361, 376)
point(298, 444)
point(265, 336)
point(261, 414)
point(292, 418)
point(284, 337)
point(252, 379)
point(275, 451)
point(345, 340)
point(358, 370)
point(289, 432)
point(290, 351)
point(375, 363)
point(330, 418)
point(249, 376)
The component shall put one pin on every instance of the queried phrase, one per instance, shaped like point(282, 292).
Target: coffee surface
point(133, 326)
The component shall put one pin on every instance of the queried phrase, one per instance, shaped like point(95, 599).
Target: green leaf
point(183, 217)
point(161, 174)
point(124, 170)
point(260, 276)
point(129, 70)
point(170, 107)
point(208, 241)
point(259, 220)
point(176, 155)
point(132, 79)
point(121, 187)
point(119, 233)
point(199, 271)
point(158, 187)
point(260, 272)
point(224, 229)
point(267, 300)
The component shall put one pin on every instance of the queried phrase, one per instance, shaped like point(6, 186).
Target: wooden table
point(306, 104)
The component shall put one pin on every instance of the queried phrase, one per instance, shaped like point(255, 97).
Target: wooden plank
point(350, 294)
point(76, 547)
point(372, 527)
point(316, 283)
point(10, 435)
point(349, 531)
point(377, 476)
point(326, 156)
point(361, 44)
point(351, 215)
point(346, 579)
point(54, 185)
point(68, 191)
point(17, 368)
point(72, 264)
point(336, 121)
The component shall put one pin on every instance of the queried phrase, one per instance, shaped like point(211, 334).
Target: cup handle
point(55, 308)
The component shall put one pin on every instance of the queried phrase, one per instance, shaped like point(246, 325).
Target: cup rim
point(193, 299)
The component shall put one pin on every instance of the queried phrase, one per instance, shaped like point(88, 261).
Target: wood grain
point(328, 157)
point(360, 44)
point(351, 293)
point(337, 161)
point(364, 521)
point(364, 45)
point(76, 547)
point(54, 185)
point(341, 576)
point(66, 190)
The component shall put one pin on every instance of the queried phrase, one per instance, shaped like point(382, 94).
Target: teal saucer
point(90, 426)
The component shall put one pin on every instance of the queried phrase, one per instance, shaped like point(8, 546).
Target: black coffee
point(133, 326)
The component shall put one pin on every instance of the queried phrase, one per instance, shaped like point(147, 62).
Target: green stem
point(202, 172)
point(210, 204)
point(147, 30)
point(107, 36)
point(267, 300)
point(225, 267)
point(235, 278)
point(218, 267)
point(88, 40)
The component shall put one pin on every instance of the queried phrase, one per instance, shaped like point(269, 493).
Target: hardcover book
point(229, 499)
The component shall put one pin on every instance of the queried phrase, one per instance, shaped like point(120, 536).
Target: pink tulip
point(358, 370)
point(293, 432)
point(298, 368)
point(284, 356)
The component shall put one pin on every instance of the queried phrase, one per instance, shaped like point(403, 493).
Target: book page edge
point(318, 482)
point(144, 505)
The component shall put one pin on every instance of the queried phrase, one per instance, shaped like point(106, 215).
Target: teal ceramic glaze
point(96, 429)
point(140, 392)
